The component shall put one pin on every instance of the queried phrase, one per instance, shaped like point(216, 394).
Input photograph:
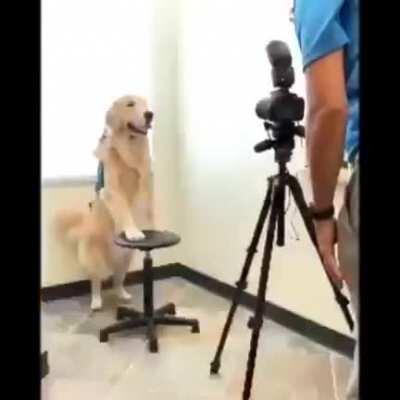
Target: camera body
point(283, 109)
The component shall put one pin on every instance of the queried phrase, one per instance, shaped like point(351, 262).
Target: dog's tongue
point(137, 130)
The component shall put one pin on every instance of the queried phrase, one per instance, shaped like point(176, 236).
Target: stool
point(150, 318)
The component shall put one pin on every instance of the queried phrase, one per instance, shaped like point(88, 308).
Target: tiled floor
point(289, 367)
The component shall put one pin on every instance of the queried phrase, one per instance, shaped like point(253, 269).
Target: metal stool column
point(148, 302)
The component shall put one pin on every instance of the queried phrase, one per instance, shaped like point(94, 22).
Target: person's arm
point(326, 125)
point(323, 40)
point(325, 136)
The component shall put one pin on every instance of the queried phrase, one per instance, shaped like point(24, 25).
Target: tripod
point(274, 205)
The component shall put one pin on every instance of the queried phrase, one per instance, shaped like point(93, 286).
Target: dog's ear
point(112, 120)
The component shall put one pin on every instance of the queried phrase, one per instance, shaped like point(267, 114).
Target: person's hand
point(326, 239)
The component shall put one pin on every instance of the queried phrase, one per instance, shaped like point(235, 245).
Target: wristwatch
point(320, 215)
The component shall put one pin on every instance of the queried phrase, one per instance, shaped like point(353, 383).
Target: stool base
point(129, 318)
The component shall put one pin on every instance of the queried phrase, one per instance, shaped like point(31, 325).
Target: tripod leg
point(280, 235)
point(262, 289)
point(298, 196)
point(241, 284)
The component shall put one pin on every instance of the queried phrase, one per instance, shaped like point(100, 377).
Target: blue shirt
point(325, 26)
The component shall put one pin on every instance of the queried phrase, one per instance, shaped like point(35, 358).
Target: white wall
point(224, 71)
point(93, 51)
point(58, 263)
point(164, 81)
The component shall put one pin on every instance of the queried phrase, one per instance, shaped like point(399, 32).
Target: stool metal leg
point(120, 326)
point(125, 312)
point(176, 321)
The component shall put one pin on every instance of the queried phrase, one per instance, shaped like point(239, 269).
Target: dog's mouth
point(141, 131)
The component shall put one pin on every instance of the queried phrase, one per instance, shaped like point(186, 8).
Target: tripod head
point(283, 142)
point(283, 110)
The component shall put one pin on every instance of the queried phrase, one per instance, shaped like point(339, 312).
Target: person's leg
point(348, 252)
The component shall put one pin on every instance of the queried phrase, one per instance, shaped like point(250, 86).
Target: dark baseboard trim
point(81, 288)
point(318, 333)
point(44, 365)
point(327, 337)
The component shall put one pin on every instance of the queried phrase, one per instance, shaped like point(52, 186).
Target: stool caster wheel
point(103, 337)
point(168, 309)
point(196, 328)
point(153, 346)
point(173, 310)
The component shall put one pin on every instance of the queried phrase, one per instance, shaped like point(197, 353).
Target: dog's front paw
point(134, 234)
point(96, 304)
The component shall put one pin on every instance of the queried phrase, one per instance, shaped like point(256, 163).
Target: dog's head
point(127, 123)
point(131, 115)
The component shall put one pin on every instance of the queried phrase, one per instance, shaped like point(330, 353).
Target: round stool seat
point(153, 240)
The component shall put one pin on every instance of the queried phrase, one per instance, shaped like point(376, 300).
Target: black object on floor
point(44, 365)
point(150, 318)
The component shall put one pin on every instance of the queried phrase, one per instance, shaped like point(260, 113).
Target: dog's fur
point(124, 151)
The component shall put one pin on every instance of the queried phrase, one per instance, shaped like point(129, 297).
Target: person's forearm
point(325, 135)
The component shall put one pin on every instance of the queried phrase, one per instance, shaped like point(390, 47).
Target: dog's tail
point(69, 225)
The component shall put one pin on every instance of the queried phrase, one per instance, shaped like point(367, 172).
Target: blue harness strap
point(100, 178)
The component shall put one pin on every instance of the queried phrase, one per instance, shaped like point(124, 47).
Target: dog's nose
point(148, 115)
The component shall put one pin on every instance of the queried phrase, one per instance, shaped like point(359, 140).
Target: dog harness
point(100, 178)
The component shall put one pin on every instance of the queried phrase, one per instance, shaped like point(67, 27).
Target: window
point(93, 51)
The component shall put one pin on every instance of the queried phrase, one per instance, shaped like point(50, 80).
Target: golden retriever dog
point(124, 151)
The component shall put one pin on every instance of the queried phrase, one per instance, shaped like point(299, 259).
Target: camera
point(283, 109)
point(282, 105)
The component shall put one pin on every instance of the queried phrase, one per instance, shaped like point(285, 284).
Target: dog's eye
point(130, 104)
